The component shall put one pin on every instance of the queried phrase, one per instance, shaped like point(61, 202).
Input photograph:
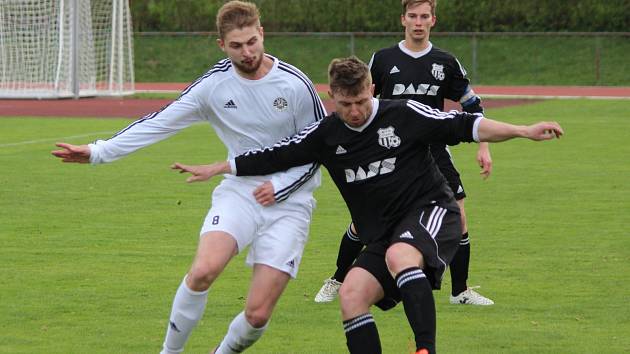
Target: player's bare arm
point(264, 193)
point(202, 173)
point(72, 153)
point(484, 160)
point(494, 131)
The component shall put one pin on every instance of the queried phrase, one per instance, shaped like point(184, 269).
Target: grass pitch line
point(47, 140)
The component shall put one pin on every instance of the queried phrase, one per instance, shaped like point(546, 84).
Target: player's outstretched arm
point(202, 172)
point(72, 153)
point(495, 131)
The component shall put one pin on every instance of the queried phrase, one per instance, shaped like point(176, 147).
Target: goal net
point(65, 48)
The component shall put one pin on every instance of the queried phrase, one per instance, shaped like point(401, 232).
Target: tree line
point(383, 15)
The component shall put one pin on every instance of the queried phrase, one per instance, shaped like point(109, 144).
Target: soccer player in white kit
point(252, 100)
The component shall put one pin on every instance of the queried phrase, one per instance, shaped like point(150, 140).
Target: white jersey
point(246, 114)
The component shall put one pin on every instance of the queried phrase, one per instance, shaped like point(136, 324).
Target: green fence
point(490, 58)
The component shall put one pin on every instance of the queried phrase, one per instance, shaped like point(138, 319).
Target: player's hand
point(264, 194)
point(544, 131)
point(72, 153)
point(484, 160)
point(202, 172)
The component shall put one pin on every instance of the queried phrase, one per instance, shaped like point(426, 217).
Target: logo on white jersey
point(280, 103)
point(387, 138)
point(423, 89)
point(374, 169)
point(340, 150)
point(394, 70)
point(406, 235)
point(291, 263)
point(438, 71)
point(230, 104)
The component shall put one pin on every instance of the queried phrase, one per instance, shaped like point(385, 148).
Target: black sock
point(349, 249)
point(417, 298)
point(459, 266)
point(362, 335)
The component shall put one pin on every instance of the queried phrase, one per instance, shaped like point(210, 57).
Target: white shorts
point(277, 234)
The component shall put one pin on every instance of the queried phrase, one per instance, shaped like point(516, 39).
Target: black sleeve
point(459, 89)
point(376, 75)
point(458, 83)
point(433, 126)
point(297, 150)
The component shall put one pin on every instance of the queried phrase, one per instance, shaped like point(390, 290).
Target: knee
point(201, 276)
point(257, 317)
point(353, 301)
point(401, 256)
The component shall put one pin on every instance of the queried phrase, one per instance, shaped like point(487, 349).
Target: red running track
point(135, 108)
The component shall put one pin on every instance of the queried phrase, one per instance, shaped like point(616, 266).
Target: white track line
point(54, 139)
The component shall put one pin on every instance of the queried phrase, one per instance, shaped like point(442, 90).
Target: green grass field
point(544, 59)
point(91, 256)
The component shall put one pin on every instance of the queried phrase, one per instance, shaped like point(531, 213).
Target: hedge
point(383, 15)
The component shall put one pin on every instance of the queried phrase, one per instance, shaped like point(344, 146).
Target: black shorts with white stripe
point(434, 229)
point(444, 161)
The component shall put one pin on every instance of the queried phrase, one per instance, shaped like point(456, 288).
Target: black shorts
point(444, 162)
point(435, 230)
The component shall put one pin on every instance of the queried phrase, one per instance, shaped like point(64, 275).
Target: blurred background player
point(415, 69)
point(252, 100)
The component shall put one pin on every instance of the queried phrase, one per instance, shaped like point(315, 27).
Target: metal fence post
point(475, 75)
point(598, 54)
point(75, 37)
point(352, 51)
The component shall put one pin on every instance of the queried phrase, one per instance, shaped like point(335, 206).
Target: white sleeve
point(148, 130)
point(308, 109)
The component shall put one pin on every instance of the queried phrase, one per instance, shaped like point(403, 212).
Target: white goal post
point(65, 48)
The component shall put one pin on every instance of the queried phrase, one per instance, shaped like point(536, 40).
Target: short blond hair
point(407, 3)
point(348, 75)
point(236, 15)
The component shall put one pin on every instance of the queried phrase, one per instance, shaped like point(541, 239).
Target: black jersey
point(382, 169)
point(428, 77)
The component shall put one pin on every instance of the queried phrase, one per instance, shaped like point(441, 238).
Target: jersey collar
point(263, 79)
point(369, 120)
point(413, 54)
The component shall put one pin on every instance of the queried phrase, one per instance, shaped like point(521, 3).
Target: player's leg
point(275, 254)
point(247, 327)
point(459, 267)
point(460, 292)
point(461, 262)
point(228, 227)
point(406, 264)
point(213, 253)
point(422, 245)
point(359, 291)
point(349, 249)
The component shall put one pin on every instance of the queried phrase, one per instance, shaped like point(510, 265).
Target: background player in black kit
point(377, 154)
point(415, 69)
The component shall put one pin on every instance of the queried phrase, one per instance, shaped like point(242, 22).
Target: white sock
point(188, 308)
point(240, 336)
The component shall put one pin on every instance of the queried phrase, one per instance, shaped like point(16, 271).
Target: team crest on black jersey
point(438, 71)
point(280, 103)
point(387, 138)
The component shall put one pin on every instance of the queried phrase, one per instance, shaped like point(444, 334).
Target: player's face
point(354, 110)
point(418, 22)
point(244, 47)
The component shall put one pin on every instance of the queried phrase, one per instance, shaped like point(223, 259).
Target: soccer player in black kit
point(415, 69)
point(377, 154)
